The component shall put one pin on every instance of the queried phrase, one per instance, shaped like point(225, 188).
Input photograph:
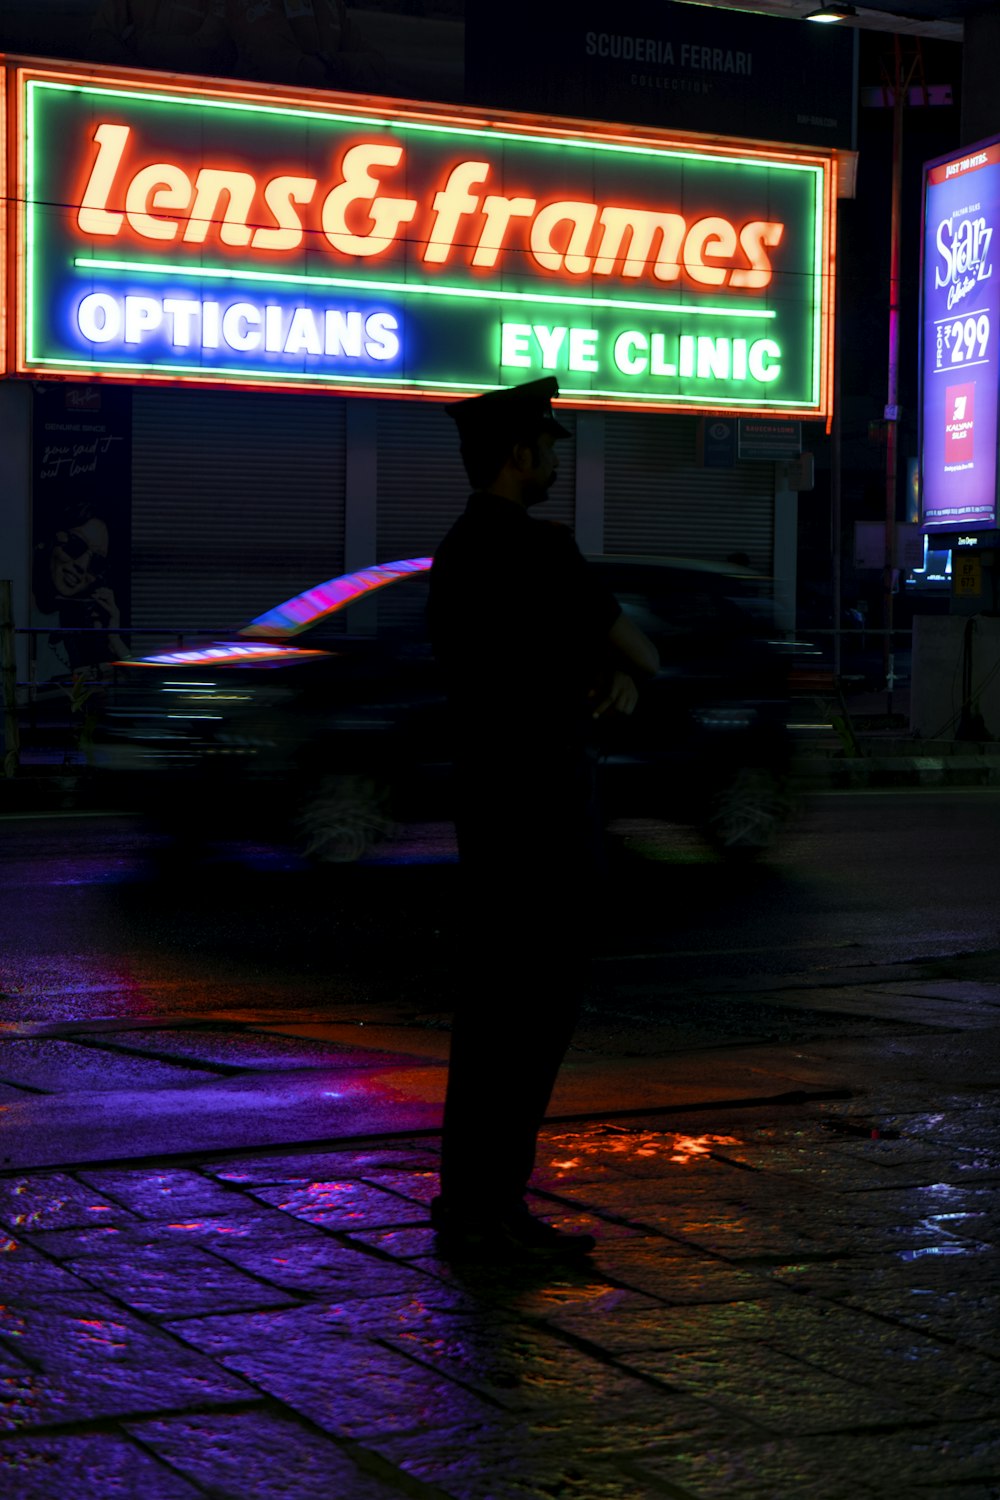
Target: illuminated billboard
point(960, 302)
point(3, 223)
point(215, 234)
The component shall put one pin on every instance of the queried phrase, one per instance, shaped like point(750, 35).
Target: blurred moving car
point(326, 717)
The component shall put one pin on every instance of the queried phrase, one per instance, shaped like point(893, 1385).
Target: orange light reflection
point(672, 1146)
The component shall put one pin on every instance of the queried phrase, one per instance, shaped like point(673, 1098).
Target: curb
point(912, 770)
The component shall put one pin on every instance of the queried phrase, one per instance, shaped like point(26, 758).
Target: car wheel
point(343, 817)
point(746, 815)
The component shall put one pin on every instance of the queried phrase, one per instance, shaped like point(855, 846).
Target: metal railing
point(21, 699)
point(874, 645)
point(829, 641)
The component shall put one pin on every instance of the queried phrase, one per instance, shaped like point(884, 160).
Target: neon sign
point(220, 235)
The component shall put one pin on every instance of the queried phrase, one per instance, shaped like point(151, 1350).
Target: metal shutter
point(422, 486)
point(238, 502)
point(659, 500)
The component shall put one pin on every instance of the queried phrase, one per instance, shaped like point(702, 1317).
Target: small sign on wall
point(717, 442)
point(966, 577)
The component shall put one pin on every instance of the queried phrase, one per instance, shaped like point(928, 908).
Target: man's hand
point(622, 695)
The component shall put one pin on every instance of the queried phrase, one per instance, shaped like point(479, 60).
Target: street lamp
point(828, 13)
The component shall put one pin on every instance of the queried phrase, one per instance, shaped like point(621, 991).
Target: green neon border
point(417, 289)
point(494, 133)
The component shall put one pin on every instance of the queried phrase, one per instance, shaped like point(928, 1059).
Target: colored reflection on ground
point(664, 1145)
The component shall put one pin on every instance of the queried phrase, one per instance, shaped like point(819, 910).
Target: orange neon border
point(545, 126)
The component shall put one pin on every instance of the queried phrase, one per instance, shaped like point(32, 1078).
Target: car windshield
point(392, 613)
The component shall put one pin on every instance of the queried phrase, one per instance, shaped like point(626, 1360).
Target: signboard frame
point(959, 418)
point(631, 349)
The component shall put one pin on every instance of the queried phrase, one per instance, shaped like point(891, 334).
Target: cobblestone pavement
point(796, 1301)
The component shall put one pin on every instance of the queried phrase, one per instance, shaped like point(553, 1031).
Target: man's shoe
point(503, 1235)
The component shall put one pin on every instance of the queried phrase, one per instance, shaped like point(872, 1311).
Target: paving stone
point(643, 1323)
point(632, 1197)
point(737, 1237)
point(299, 1329)
point(90, 1359)
point(99, 1466)
point(783, 1309)
point(165, 1282)
point(966, 1317)
point(645, 1267)
point(760, 1471)
point(904, 1271)
point(915, 1240)
point(970, 1490)
point(154, 1194)
point(26, 1273)
point(528, 1474)
point(255, 1050)
point(581, 1218)
point(622, 1154)
point(355, 1388)
point(235, 1455)
point(945, 1382)
point(655, 1420)
point(320, 1265)
point(408, 1244)
point(531, 1289)
point(244, 1222)
point(419, 1243)
point(61, 1067)
point(523, 1459)
point(341, 1205)
point(760, 1384)
point(420, 1186)
point(54, 1200)
point(866, 1351)
point(521, 1368)
point(317, 1166)
point(939, 1202)
point(910, 1462)
point(968, 1117)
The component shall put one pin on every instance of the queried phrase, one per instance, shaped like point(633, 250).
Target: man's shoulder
point(555, 541)
point(486, 525)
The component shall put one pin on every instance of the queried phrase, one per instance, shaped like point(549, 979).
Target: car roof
point(712, 568)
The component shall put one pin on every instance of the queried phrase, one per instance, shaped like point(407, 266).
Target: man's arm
point(634, 647)
point(636, 656)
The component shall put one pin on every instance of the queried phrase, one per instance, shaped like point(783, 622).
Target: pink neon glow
point(326, 598)
point(223, 653)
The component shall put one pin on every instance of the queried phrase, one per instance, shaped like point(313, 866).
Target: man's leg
point(510, 1033)
point(523, 971)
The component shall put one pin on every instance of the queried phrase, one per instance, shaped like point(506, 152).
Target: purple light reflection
point(223, 653)
point(326, 598)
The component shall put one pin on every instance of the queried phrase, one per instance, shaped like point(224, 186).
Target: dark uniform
point(520, 624)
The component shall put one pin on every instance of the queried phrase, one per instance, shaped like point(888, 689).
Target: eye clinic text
point(638, 352)
point(363, 213)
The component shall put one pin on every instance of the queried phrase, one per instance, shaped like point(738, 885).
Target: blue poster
point(960, 320)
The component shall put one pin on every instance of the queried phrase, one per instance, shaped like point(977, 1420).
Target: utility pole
point(900, 83)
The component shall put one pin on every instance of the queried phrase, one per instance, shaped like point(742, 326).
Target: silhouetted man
point(533, 648)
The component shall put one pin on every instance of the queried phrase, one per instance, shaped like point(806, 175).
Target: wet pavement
point(218, 1276)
